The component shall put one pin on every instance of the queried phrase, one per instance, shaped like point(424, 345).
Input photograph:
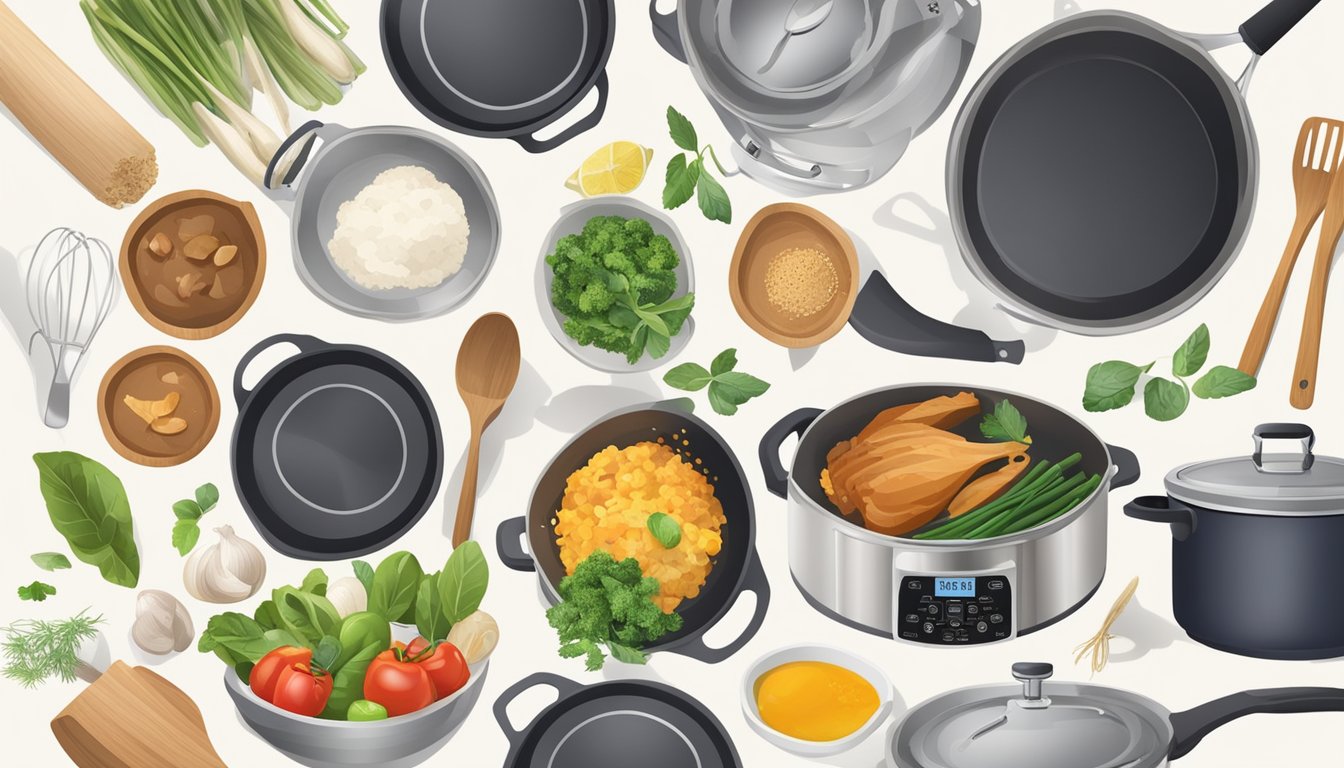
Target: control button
point(932, 610)
point(986, 599)
point(994, 584)
point(954, 623)
point(928, 627)
point(954, 608)
point(909, 635)
point(926, 599)
point(913, 584)
point(948, 636)
point(912, 618)
point(962, 635)
point(972, 610)
point(982, 627)
point(996, 619)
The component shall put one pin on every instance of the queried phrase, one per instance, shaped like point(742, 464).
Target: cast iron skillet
point(337, 450)
point(614, 725)
point(501, 68)
point(736, 568)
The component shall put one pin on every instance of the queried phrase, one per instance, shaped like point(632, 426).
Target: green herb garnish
point(363, 572)
point(664, 529)
point(87, 505)
point(37, 650)
point(187, 529)
point(36, 592)
point(727, 388)
point(686, 177)
point(51, 561)
point(608, 604)
point(1005, 424)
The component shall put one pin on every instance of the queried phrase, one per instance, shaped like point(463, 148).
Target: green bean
point(1018, 492)
point(1029, 509)
point(1051, 512)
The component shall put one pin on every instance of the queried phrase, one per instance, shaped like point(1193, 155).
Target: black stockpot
point(1258, 550)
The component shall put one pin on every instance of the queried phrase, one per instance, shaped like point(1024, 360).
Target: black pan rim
point(505, 129)
point(246, 419)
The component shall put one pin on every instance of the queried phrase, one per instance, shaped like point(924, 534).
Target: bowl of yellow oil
point(815, 700)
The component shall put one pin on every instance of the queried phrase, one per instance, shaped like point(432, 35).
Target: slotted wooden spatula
point(129, 717)
point(1309, 349)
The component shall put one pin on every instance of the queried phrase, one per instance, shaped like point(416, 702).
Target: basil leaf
point(1164, 399)
point(463, 582)
point(185, 535)
point(207, 496)
point(664, 529)
point(725, 362)
point(87, 505)
point(1222, 381)
point(51, 561)
point(1193, 353)
point(394, 585)
point(430, 619)
point(739, 387)
point(626, 654)
point(679, 181)
point(1005, 424)
point(36, 592)
point(681, 130)
point(364, 572)
point(719, 402)
point(658, 345)
point(655, 323)
point(713, 199)
point(315, 582)
point(1111, 384)
point(688, 376)
point(187, 509)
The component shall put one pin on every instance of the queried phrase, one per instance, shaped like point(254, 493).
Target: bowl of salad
point(356, 688)
point(615, 286)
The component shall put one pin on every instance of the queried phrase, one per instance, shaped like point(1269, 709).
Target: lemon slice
point(617, 168)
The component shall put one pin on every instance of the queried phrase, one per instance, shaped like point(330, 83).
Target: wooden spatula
point(129, 717)
point(487, 369)
point(1320, 145)
point(1309, 349)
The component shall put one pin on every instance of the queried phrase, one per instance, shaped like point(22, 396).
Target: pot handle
point(885, 318)
point(508, 542)
point(308, 133)
point(562, 685)
point(304, 342)
point(667, 32)
point(1127, 468)
point(1269, 24)
point(796, 423)
point(1191, 726)
point(755, 583)
point(1163, 509)
point(589, 121)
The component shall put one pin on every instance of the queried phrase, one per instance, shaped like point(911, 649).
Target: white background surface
point(557, 396)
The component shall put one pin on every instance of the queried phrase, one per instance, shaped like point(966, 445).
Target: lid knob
point(1032, 674)
point(1283, 431)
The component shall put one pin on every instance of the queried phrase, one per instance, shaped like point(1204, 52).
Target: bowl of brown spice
point(794, 276)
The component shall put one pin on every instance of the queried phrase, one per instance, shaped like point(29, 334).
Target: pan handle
point(1191, 726)
point(885, 318)
point(1127, 468)
point(303, 342)
point(537, 146)
point(755, 583)
point(562, 685)
point(508, 542)
point(307, 134)
point(1163, 509)
point(776, 475)
point(1269, 24)
point(667, 32)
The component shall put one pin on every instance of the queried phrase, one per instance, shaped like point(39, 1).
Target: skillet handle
point(303, 342)
point(1163, 509)
point(508, 542)
point(667, 32)
point(1272, 22)
point(562, 685)
point(281, 189)
point(796, 423)
point(537, 146)
point(1127, 468)
point(1191, 726)
point(755, 583)
point(885, 318)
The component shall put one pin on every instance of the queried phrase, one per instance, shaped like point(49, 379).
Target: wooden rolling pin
point(94, 143)
point(129, 717)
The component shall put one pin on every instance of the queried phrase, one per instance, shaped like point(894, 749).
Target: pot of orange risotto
point(599, 493)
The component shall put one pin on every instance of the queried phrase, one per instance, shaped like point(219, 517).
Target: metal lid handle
point(1284, 431)
point(1032, 675)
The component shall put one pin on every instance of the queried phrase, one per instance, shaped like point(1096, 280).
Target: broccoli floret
point(608, 603)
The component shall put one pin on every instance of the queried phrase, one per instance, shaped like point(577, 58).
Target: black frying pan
point(337, 450)
point(615, 724)
point(1102, 172)
point(737, 567)
point(501, 68)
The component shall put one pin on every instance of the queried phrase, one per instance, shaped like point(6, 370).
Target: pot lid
point(1055, 726)
point(1285, 483)
point(794, 45)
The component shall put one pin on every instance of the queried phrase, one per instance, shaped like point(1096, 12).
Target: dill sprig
point(36, 650)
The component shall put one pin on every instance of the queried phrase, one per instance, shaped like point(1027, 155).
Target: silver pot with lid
point(823, 95)
point(1041, 724)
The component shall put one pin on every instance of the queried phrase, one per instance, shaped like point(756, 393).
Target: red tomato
point(396, 682)
point(302, 689)
point(446, 665)
point(266, 673)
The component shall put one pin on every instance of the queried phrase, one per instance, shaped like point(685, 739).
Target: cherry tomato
point(266, 673)
point(446, 665)
point(398, 683)
point(303, 689)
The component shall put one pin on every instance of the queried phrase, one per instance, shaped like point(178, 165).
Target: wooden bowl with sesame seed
point(794, 276)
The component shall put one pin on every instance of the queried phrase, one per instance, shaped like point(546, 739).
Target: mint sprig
point(688, 175)
point(728, 388)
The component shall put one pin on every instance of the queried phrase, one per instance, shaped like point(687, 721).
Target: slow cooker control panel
point(955, 610)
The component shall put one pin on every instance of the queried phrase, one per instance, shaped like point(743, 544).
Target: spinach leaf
point(237, 639)
point(1164, 399)
point(304, 615)
point(463, 582)
point(394, 585)
point(358, 631)
point(364, 572)
point(1193, 353)
point(430, 619)
point(1111, 385)
point(87, 505)
point(664, 529)
point(315, 582)
point(51, 561)
point(347, 684)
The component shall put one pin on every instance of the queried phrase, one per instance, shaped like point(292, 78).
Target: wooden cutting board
point(132, 718)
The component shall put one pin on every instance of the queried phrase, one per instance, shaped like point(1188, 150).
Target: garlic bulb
point(475, 636)
point(348, 595)
point(230, 570)
point(162, 624)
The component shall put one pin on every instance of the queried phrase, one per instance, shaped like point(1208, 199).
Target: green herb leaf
point(347, 684)
point(683, 302)
point(51, 561)
point(1193, 353)
point(185, 535)
point(664, 529)
point(737, 387)
point(655, 323)
point(315, 582)
point(627, 655)
point(622, 316)
point(87, 505)
point(36, 592)
point(236, 638)
point(720, 403)
point(187, 509)
point(430, 619)
point(1111, 385)
point(394, 586)
point(37, 650)
point(606, 603)
point(304, 615)
point(638, 341)
point(1164, 399)
point(364, 572)
point(713, 199)
point(688, 376)
point(327, 653)
point(683, 133)
point(724, 362)
point(679, 181)
point(1222, 381)
point(1005, 424)
point(658, 345)
point(463, 582)
point(207, 496)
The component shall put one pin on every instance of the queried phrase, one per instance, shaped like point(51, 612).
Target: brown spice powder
point(800, 282)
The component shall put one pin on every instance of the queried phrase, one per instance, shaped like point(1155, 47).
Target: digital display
point(954, 588)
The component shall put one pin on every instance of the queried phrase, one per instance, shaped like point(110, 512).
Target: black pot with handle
point(1257, 563)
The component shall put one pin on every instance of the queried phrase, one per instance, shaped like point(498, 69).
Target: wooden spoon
point(1309, 348)
point(1320, 145)
point(487, 368)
